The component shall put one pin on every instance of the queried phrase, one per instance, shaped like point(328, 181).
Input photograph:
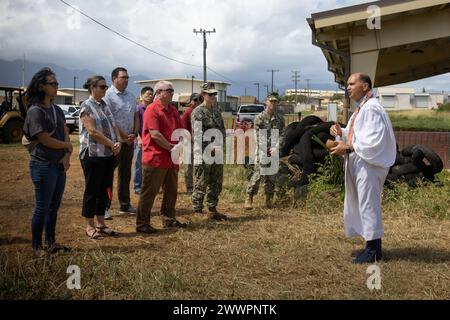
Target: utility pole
point(267, 88)
point(296, 79)
point(307, 86)
point(74, 87)
point(23, 72)
point(272, 75)
point(257, 84)
point(205, 45)
point(192, 83)
point(245, 92)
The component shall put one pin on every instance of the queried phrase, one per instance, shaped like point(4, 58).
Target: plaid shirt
point(104, 122)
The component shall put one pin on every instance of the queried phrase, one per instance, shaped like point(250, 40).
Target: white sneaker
point(107, 215)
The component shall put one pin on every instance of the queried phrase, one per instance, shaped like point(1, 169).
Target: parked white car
point(69, 108)
point(246, 115)
point(72, 120)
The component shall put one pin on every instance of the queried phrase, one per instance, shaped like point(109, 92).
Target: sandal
point(106, 231)
point(94, 234)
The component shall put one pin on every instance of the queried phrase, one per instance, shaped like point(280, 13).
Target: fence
point(438, 141)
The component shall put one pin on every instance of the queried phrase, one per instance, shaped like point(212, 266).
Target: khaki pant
point(152, 180)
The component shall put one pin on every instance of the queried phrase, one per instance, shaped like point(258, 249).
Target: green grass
point(426, 119)
point(295, 251)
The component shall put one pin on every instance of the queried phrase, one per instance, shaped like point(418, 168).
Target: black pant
point(124, 162)
point(98, 174)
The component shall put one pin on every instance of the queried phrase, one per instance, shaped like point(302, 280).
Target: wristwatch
point(349, 149)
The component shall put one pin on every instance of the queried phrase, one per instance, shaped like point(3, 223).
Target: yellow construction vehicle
point(13, 109)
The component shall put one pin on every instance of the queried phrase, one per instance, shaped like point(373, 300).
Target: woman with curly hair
point(50, 158)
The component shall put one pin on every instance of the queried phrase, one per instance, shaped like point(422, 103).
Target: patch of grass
point(420, 119)
point(427, 200)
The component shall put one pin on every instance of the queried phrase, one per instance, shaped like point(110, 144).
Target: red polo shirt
point(186, 119)
point(166, 121)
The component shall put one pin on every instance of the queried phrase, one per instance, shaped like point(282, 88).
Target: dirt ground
point(285, 253)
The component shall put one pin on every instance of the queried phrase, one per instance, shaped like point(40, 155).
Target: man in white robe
point(369, 146)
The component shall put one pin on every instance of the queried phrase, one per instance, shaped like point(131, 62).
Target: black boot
point(371, 253)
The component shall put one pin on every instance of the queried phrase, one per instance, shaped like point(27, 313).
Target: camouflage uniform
point(208, 178)
point(266, 121)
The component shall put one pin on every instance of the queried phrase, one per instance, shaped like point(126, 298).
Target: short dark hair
point(34, 92)
point(145, 89)
point(92, 81)
point(116, 71)
point(366, 79)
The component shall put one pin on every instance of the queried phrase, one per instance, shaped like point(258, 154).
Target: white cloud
point(252, 36)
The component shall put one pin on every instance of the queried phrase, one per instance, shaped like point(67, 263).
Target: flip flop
point(94, 235)
point(106, 231)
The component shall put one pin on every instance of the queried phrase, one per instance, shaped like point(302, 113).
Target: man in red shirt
point(159, 122)
point(195, 101)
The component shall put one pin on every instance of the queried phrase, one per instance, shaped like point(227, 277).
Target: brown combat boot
point(248, 202)
point(213, 214)
point(269, 204)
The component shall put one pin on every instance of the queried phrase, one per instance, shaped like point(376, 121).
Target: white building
point(185, 86)
point(80, 95)
point(396, 98)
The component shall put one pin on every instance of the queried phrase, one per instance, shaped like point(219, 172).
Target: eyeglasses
point(212, 94)
point(53, 84)
point(168, 90)
point(102, 87)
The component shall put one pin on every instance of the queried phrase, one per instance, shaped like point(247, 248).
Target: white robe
point(366, 169)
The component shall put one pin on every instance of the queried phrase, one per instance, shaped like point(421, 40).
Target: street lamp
point(74, 87)
point(192, 83)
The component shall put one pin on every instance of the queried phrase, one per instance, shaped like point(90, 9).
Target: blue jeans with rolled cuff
point(49, 180)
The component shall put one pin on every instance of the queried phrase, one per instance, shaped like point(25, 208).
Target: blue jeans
point(137, 171)
point(49, 181)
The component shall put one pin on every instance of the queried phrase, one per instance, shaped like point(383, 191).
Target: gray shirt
point(123, 107)
point(40, 119)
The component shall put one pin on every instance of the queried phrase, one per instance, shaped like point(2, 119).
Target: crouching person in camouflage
point(208, 175)
point(269, 119)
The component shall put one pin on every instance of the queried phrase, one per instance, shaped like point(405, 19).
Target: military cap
point(194, 96)
point(272, 97)
point(209, 87)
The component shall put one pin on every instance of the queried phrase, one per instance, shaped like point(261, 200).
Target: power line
point(296, 79)
point(272, 75)
point(128, 39)
point(257, 84)
point(307, 86)
point(145, 47)
point(205, 45)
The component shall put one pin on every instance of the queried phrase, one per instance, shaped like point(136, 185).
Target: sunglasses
point(212, 94)
point(169, 90)
point(102, 87)
point(53, 84)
